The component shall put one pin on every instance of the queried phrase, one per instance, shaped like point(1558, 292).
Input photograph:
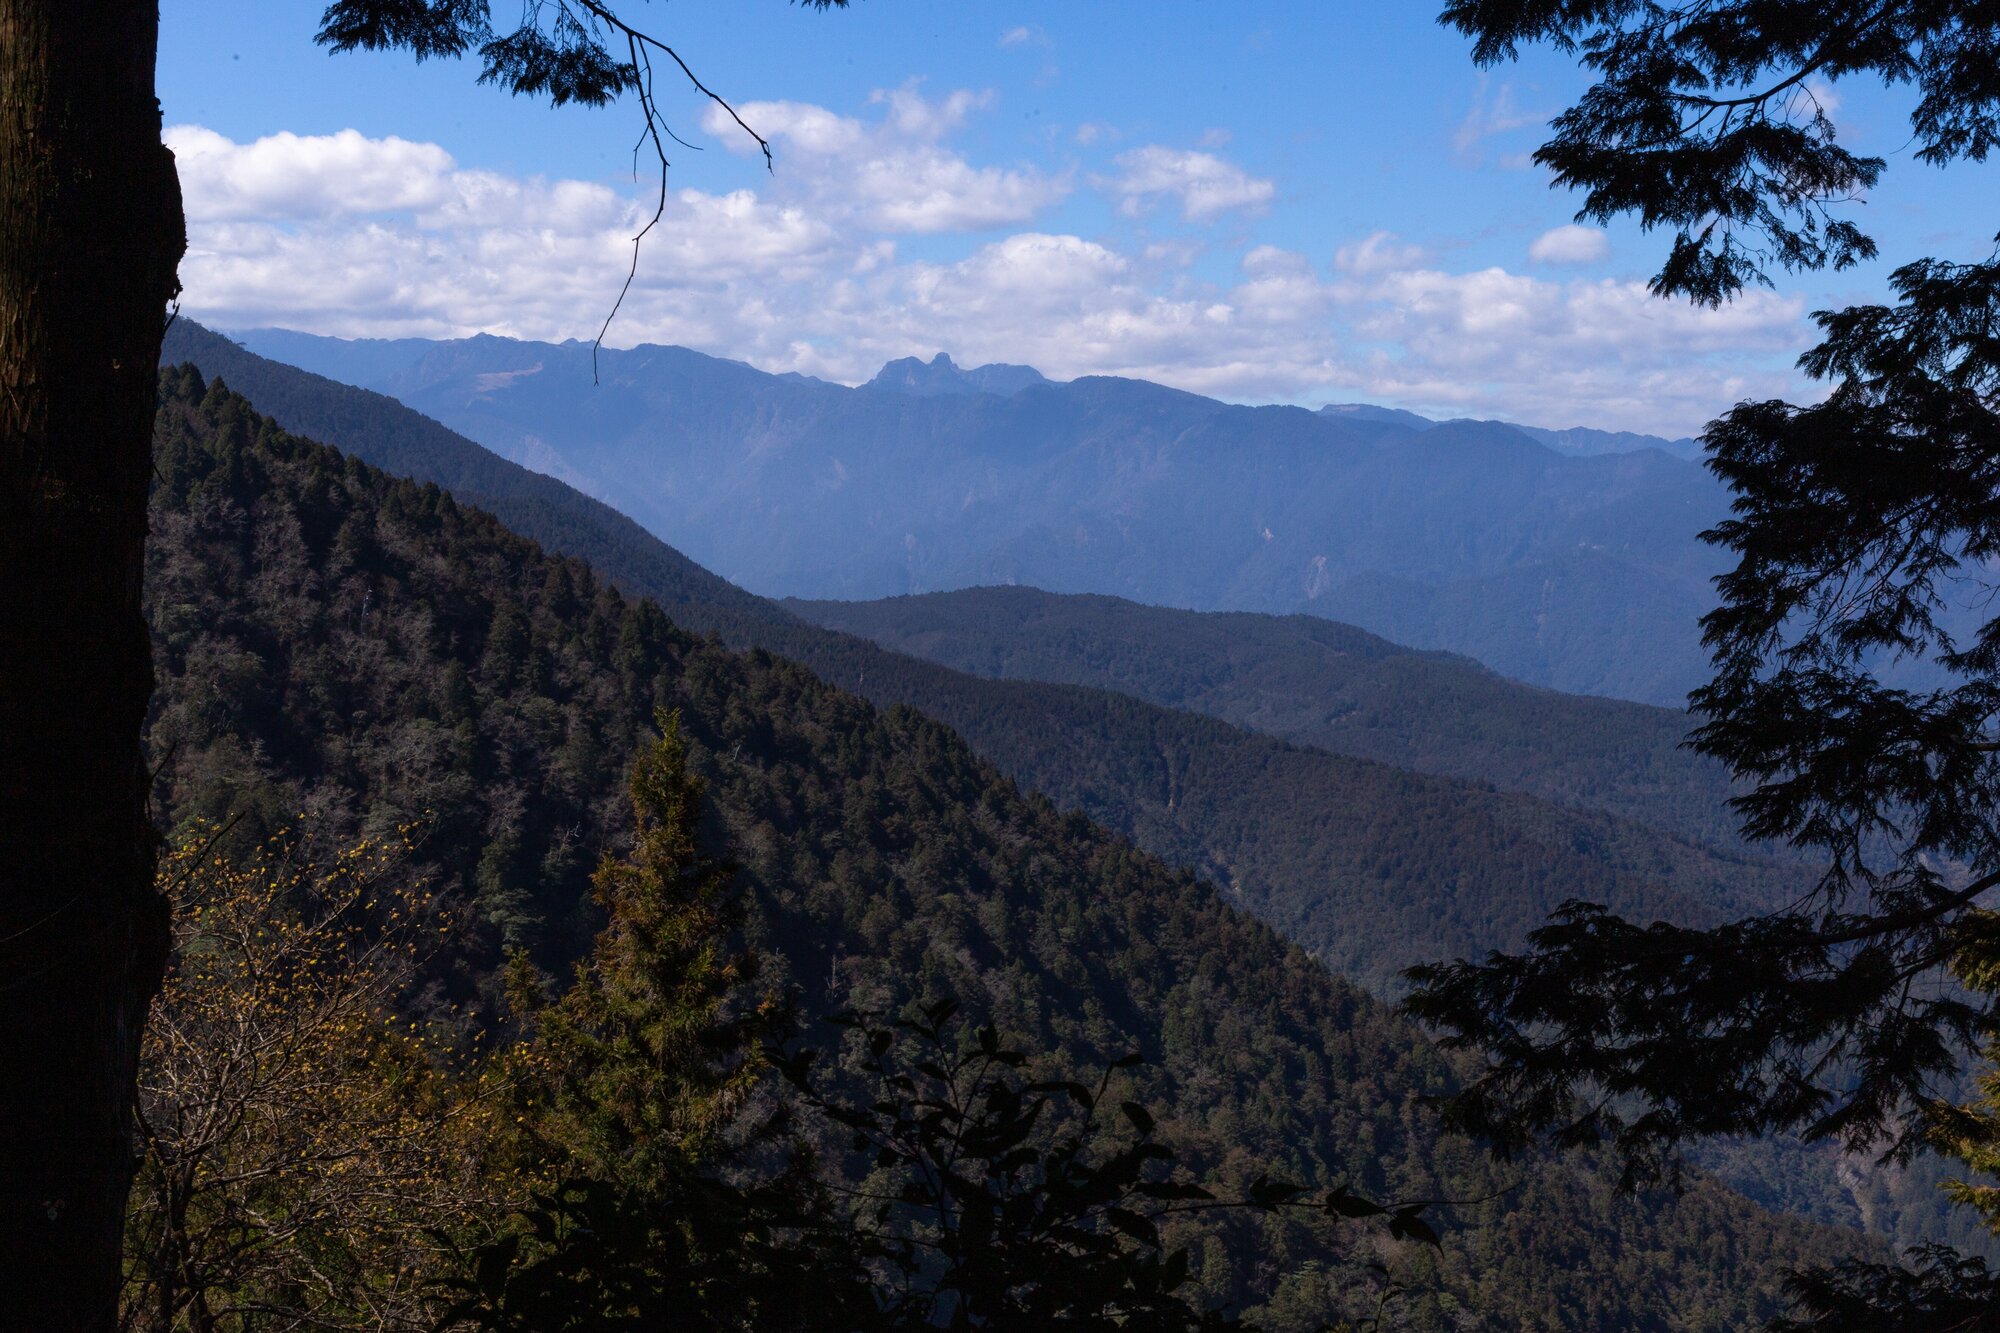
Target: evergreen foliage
point(1859, 523)
point(1854, 653)
point(1320, 683)
point(668, 1204)
point(882, 862)
point(645, 1050)
point(1703, 118)
point(1000, 1201)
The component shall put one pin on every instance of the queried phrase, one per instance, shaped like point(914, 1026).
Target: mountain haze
point(1583, 573)
point(1578, 440)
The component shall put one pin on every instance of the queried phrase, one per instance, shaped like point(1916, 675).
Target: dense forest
point(365, 654)
point(1369, 867)
point(1226, 818)
point(1324, 684)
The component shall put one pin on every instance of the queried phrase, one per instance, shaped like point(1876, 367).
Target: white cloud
point(892, 174)
point(814, 281)
point(294, 176)
point(1021, 36)
point(1206, 186)
point(1570, 244)
point(915, 117)
point(812, 130)
point(1584, 352)
point(1379, 252)
point(1494, 112)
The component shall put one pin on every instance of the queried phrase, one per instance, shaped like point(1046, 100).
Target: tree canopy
point(1854, 654)
point(1710, 118)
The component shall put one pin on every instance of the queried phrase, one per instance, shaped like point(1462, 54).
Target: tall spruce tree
point(1864, 526)
point(649, 1055)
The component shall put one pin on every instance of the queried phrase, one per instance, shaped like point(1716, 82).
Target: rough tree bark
point(90, 235)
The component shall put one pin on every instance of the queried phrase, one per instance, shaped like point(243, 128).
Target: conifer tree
point(653, 1050)
point(672, 1202)
point(1864, 527)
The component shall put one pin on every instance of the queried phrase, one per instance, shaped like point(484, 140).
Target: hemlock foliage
point(1863, 529)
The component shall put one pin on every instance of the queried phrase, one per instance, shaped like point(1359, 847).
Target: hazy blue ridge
point(940, 376)
point(1582, 573)
point(1582, 441)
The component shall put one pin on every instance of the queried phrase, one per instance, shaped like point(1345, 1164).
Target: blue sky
point(1268, 202)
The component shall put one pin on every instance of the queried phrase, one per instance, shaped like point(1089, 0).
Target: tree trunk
point(90, 236)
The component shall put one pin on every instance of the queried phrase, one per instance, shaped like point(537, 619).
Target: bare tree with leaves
point(303, 1140)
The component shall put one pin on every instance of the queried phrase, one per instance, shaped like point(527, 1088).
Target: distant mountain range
point(1562, 558)
point(1578, 441)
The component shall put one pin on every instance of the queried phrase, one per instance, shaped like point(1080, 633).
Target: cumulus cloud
point(1570, 244)
point(1590, 352)
point(893, 174)
point(448, 250)
point(815, 282)
point(303, 176)
point(1205, 185)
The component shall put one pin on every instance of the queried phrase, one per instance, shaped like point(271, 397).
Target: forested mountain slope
point(1583, 573)
point(1323, 684)
point(370, 651)
point(368, 424)
point(1369, 867)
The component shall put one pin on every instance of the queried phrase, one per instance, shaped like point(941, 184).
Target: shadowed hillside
point(372, 651)
point(1323, 684)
